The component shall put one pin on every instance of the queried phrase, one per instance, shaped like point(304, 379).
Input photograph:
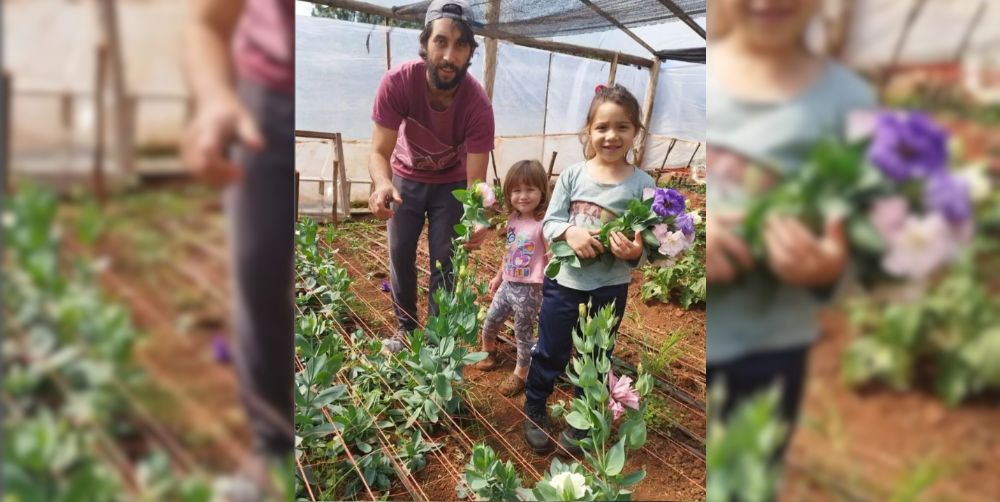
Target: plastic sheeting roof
point(565, 17)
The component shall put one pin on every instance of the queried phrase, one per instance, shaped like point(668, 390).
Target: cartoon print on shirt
point(518, 260)
point(589, 215)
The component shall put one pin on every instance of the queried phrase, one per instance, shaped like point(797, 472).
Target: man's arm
point(476, 167)
point(219, 115)
point(207, 63)
point(383, 142)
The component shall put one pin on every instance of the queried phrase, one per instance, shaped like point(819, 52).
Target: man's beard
point(451, 84)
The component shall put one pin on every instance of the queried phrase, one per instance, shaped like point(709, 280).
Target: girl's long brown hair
point(620, 96)
point(529, 173)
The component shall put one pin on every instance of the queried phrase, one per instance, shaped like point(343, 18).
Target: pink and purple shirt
point(263, 44)
point(526, 259)
point(432, 146)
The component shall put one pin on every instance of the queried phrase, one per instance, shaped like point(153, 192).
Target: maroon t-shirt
point(432, 146)
point(263, 43)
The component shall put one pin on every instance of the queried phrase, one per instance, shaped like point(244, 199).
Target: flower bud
point(482, 314)
point(583, 310)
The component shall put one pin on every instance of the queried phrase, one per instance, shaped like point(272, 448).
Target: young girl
point(771, 100)
point(586, 196)
point(517, 287)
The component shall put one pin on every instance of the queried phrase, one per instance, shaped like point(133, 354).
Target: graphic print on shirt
point(588, 215)
point(521, 248)
point(733, 179)
point(426, 152)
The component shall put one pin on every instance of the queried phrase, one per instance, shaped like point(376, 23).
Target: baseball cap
point(455, 9)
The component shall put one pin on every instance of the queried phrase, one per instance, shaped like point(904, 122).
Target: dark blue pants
point(749, 375)
point(558, 318)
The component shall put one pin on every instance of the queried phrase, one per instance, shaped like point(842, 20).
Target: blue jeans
point(558, 318)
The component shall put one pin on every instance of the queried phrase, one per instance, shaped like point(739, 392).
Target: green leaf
point(633, 478)
point(578, 420)
point(616, 458)
point(442, 386)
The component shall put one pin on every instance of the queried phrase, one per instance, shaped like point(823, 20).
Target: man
point(255, 115)
point(433, 134)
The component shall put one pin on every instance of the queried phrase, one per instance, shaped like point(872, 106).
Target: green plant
point(595, 410)
point(684, 281)
point(741, 449)
point(487, 477)
point(659, 361)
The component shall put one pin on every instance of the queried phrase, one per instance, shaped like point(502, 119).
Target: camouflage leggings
point(525, 301)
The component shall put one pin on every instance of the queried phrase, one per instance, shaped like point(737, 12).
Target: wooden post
point(101, 68)
point(388, 51)
point(296, 192)
point(490, 65)
point(670, 148)
point(341, 182)
point(552, 163)
point(647, 113)
point(886, 74)
point(496, 177)
point(545, 114)
point(5, 106)
point(124, 133)
point(613, 71)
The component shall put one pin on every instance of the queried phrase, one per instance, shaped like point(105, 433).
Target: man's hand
point(625, 249)
point(218, 121)
point(583, 242)
point(800, 258)
point(724, 250)
point(479, 233)
point(378, 202)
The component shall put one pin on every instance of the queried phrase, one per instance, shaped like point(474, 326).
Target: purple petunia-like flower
point(949, 196)
point(908, 146)
point(668, 202)
point(685, 223)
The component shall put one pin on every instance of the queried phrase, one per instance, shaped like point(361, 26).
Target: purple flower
point(908, 146)
point(385, 286)
point(948, 195)
point(220, 349)
point(685, 223)
point(668, 202)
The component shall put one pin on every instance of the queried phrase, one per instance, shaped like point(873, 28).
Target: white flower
point(9, 219)
point(977, 180)
point(565, 480)
point(695, 217)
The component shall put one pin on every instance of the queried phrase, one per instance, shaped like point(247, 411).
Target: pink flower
point(489, 198)
point(648, 193)
point(674, 243)
point(888, 215)
point(922, 246)
point(622, 395)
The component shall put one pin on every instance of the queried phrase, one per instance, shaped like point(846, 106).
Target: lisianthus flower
point(948, 195)
point(920, 247)
point(978, 181)
point(908, 146)
point(574, 481)
point(685, 223)
point(668, 202)
point(695, 217)
point(888, 215)
point(622, 395)
point(648, 193)
point(672, 243)
point(489, 198)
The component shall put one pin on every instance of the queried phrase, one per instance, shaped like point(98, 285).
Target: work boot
point(535, 430)
point(568, 438)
